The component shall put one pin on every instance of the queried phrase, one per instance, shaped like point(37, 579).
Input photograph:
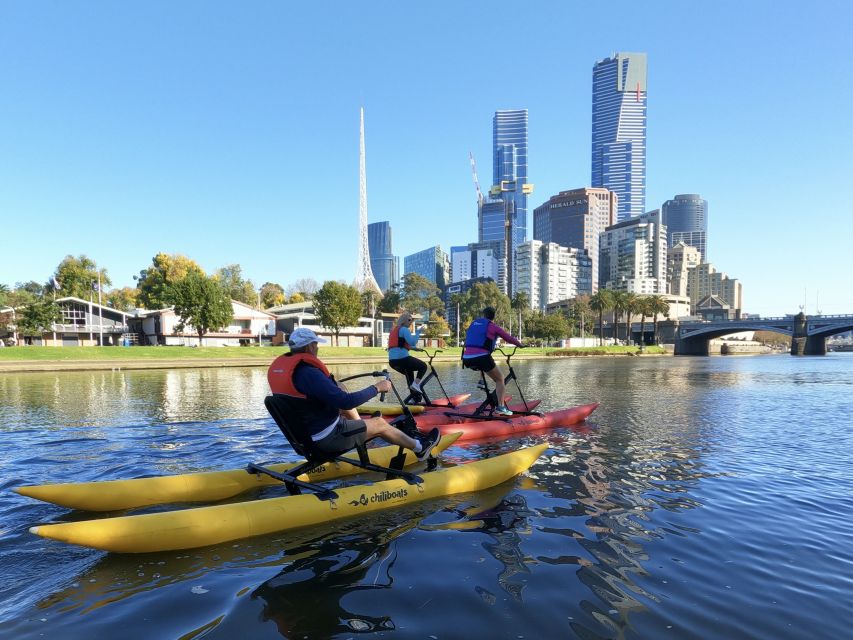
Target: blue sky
point(228, 132)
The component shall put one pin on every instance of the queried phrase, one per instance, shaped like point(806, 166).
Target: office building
point(467, 263)
point(433, 264)
point(633, 256)
point(576, 219)
point(548, 272)
point(704, 280)
point(383, 262)
point(686, 220)
point(619, 130)
point(680, 259)
point(503, 217)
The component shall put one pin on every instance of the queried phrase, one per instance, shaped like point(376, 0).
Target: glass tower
point(619, 130)
point(383, 262)
point(686, 220)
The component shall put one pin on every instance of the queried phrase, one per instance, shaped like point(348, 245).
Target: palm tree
point(601, 301)
point(619, 306)
point(520, 302)
point(644, 308)
point(658, 304)
point(631, 309)
point(580, 310)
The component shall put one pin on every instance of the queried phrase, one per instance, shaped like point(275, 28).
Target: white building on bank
point(548, 272)
point(633, 256)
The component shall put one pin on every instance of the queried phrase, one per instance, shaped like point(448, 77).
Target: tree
point(480, 296)
point(155, 282)
point(644, 308)
point(437, 328)
point(620, 305)
point(391, 302)
point(4, 292)
point(548, 327)
point(307, 287)
point(520, 303)
point(272, 295)
point(296, 297)
point(337, 305)
point(200, 302)
point(123, 299)
point(658, 305)
point(79, 276)
point(601, 301)
point(631, 308)
point(39, 317)
point(230, 278)
point(420, 295)
point(579, 311)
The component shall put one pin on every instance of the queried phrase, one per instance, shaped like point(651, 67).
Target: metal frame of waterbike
point(410, 399)
point(491, 401)
point(315, 458)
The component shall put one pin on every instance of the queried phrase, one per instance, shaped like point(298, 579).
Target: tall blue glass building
point(383, 262)
point(433, 264)
point(619, 130)
point(686, 220)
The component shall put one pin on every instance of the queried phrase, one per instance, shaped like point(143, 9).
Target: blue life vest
point(476, 336)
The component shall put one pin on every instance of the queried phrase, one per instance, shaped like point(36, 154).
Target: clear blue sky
point(228, 132)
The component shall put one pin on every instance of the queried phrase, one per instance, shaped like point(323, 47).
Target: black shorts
point(346, 435)
point(484, 363)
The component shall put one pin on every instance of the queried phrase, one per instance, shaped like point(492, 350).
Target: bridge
point(808, 333)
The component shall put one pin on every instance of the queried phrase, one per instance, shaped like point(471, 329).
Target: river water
point(705, 498)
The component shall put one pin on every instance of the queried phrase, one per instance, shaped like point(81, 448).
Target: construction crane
point(476, 179)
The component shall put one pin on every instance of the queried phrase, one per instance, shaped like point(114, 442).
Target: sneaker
point(501, 410)
point(416, 388)
point(428, 441)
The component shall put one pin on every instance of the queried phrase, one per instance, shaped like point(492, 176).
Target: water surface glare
point(705, 498)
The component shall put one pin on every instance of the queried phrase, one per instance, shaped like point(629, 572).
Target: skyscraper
point(433, 264)
point(686, 220)
point(576, 219)
point(619, 130)
point(383, 262)
point(632, 255)
point(505, 214)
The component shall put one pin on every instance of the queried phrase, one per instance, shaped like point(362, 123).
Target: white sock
point(418, 446)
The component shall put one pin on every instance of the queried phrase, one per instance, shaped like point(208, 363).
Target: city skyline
point(226, 149)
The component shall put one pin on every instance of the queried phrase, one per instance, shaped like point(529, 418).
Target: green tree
point(296, 297)
point(520, 303)
point(230, 278)
point(76, 277)
point(123, 299)
point(4, 293)
point(631, 308)
point(420, 295)
point(200, 302)
point(391, 302)
point(272, 295)
point(601, 301)
point(480, 296)
point(579, 311)
point(620, 305)
point(548, 327)
point(658, 305)
point(337, 305)
point(155, 282)
point(644, 309)
point(39, 317)
point(437, 328)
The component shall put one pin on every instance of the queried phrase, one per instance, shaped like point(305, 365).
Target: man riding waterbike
point(320, 410)
point(400, 341)
point(479, 343)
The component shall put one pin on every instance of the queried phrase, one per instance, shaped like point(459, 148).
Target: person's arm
point(499, 331)
point(412, 340)
point(312, 382)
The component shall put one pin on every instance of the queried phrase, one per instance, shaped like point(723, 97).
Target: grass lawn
point(225, 353)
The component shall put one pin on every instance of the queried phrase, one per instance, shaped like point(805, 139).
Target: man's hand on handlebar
point(383, 386)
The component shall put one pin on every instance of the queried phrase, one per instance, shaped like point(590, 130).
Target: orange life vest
point(394, 339)
point(280, 373)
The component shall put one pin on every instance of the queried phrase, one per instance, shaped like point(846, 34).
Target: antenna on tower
point(476, 179)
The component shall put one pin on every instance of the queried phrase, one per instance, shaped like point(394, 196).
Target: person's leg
point(379, 428)
point(420, 370)
point(500, 388)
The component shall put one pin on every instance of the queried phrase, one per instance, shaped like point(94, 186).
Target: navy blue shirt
point(317, 386)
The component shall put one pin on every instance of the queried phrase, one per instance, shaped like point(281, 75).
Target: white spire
point(364, 279)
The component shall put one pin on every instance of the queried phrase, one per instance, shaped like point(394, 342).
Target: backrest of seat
point(276, 404)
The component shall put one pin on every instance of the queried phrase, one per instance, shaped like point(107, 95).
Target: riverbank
point(23, 359)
